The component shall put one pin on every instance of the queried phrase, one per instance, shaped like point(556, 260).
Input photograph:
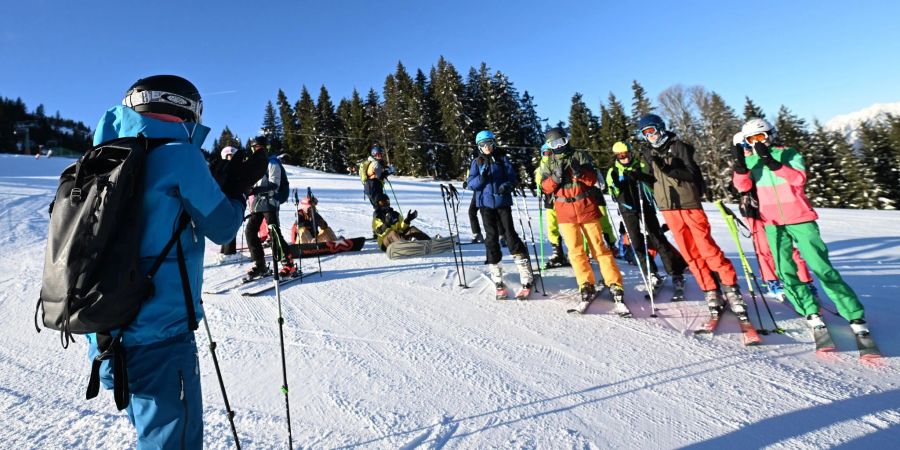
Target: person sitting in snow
point(302, 232)
point(389, 228)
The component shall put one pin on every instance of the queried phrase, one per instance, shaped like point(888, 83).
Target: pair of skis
point(255, 286)
point(749, 336)
point(865, 345)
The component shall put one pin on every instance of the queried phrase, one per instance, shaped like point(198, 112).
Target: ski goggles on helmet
point(758, 137)
point(557, 143)
point(487, 143)
point(136, 98)
point(649, 131)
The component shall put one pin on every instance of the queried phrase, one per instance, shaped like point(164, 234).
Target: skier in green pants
point(779, 175)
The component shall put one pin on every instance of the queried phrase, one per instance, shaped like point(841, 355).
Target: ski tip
point(870, 357)
point(825, 350)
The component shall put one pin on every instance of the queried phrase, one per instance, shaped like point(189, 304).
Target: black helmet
point(556, 140)
point(382, 199)
point(165, 94)
point(261, 140)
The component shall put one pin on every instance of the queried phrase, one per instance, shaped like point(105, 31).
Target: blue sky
point(820, 58)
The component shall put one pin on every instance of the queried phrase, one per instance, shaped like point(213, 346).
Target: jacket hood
point(122, 121)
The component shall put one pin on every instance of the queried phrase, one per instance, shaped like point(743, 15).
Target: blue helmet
point(376, 150)
point(484, 135)
point(652, 129)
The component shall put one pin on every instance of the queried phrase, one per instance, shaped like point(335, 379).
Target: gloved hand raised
point(237, 175)
point(410, 216)
point(740, 165)
point(556, 173)
point(765, 155)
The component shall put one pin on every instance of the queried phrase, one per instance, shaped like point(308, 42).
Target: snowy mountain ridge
point(848, 124)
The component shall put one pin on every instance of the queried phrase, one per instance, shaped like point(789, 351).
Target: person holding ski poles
point(265, 206)
point(779, 176)
point(165, 401)
point(492, 177)
point(627, 179)
point(749, 207)
point(567, 178)
point(678, 191)
point(375, 172)
point(558, 257)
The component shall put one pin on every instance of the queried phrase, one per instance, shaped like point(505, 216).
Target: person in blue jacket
point(163, 373)
point(492, 178)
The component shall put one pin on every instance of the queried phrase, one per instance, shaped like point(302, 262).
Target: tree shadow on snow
point(779, 428)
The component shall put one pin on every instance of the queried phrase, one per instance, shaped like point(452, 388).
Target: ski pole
point(515, 193)
point(454, 205)
point(276, 254)
point(212, 351)
point(643, 225)
point(731, 220)
point(444, 195)
point(313, 213)
point(391, 187)
point(533, 243)
point(541, 230)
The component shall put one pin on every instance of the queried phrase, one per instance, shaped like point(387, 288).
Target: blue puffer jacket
point(487, 185)
point(177, 178)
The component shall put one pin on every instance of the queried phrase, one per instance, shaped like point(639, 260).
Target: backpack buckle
point(75, 194)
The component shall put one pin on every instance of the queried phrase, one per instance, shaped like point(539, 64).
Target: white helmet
point(738, 138)
point(758, 125)
point(228, 151)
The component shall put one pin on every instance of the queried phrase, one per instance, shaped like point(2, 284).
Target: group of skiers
point(664, 176)
point(158, 346)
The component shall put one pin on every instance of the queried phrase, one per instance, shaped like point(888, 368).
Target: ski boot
point(736, 302)
point(588, 293)
point(478, 239)
point(557, 258)
point(776, 290)
point(617, 292)
point(526, 277)
point(859, 327)
point(655, 282)
point(289, 269)
point(256, 273)
point(497, 278)
point(815, 321)
point(678, 285)
point(713, 302)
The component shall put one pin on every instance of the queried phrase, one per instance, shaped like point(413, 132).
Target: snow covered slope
point(388, 354)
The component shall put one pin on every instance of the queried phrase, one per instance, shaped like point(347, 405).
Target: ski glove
point(410, 216)
point(237, 175)
point(557, 174)
point(765, 155)
point(505, 188)
point(740, 165)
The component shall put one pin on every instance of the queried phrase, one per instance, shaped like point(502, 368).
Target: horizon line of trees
point(427, 125)
point(49, 131)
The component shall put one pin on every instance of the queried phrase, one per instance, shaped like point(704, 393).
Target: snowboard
point(409, 249)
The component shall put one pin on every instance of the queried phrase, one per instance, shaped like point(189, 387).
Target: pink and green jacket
point(782, 200)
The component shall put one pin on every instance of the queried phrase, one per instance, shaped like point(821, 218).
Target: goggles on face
point(649, 131)
point(486, 143)
point(557, 143)
point(758, 137)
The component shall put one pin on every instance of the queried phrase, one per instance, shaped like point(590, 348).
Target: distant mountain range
point(848, 124)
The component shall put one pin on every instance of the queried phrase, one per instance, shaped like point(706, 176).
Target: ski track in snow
point(394, 354)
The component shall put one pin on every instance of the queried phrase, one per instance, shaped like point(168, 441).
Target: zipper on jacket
point(184, 406)
point(775, 190)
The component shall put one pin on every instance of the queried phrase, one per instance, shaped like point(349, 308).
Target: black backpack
point(92, 282)
point(284, 186)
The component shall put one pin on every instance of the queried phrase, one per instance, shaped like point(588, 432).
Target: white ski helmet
point(756, 126)
point(738, 138)
point(228, 151)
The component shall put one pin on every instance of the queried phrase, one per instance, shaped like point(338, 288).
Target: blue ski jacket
point(177, 178)
point(486, 176)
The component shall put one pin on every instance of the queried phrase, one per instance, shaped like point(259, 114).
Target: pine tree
point(583, 125)
point(640, 104)
point(357, 126)
point(859, 192)
point(271, 128)
point(289, 126)
point(328, 153)
point(475, 100)
point(751, 110)
point(717, 124)
point(449, 93)
point(877, 153)
point(614, 126)
point(439, 154)
point(824, 179)
point(791, 129)
point(225, 139)
point(375, 116)
point(305, 111)
point(679, 111)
